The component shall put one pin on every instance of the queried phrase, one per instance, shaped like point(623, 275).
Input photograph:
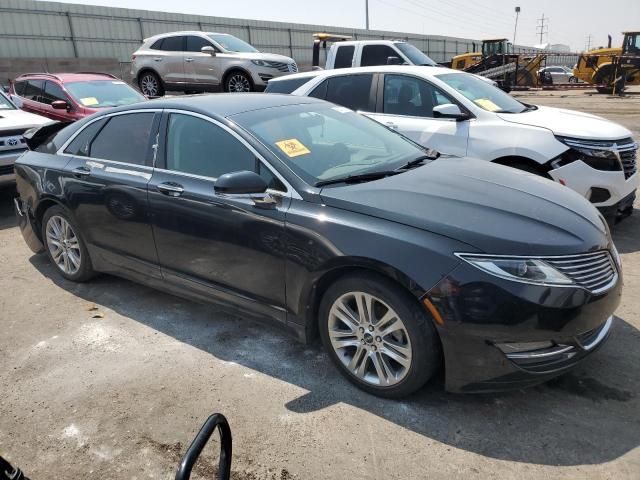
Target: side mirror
point(60, 105)
point(449, 110)
point(393, 60)
point(240, 183)
point(209, 49)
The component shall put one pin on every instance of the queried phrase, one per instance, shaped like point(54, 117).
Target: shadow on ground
point(626, 234)
point(590, 416)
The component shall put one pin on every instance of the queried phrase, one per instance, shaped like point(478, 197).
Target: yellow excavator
point(611, 68)
point(498, 62)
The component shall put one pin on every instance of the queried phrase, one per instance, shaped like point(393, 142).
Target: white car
point(458, 114)
point(13, 123)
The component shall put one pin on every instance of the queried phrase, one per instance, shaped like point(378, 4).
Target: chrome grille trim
point(595, 272)
point(625, 148)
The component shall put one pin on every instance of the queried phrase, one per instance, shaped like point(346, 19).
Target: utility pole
point(588, 43)
point(540, 27)
point(515, 29)
point(366, 11)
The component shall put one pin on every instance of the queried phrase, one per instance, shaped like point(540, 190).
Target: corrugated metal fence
point(61, 30)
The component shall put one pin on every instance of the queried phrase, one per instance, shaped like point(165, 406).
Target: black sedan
point(311, 215)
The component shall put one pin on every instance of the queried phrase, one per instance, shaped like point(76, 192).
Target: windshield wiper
point(362, 177)
point(417, 161)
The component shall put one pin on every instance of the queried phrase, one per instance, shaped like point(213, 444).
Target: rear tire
point(151, 85)
point(605, 76)
point(378, 335)
point(65, 246)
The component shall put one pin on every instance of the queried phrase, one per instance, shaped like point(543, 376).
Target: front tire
point(238, 82)
point(64, 245)
point(378, 335)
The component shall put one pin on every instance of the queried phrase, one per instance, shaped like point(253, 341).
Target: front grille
point(6, 169)
point(594, 271)
point(628, 157)
point(285, 67)
point(12, 133)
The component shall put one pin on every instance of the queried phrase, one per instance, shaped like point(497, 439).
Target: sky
point(566, 21)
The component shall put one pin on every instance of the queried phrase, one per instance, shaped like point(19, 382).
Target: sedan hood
point(569, 123)
point(493, 208)
point(12, 119)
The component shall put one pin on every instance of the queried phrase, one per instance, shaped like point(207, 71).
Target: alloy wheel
point(63, 245)
point(370, 339)
point(149, 85)
point(239, 83)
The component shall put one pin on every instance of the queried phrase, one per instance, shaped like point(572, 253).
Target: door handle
point(80, 172)
point(189, 59)
point(170, 188)
point(392, 125)
point(157, 59)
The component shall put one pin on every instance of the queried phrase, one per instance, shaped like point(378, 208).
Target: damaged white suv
point(458, 114)
point(13, 124)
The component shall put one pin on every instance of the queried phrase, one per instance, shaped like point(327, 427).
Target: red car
point(71, 96)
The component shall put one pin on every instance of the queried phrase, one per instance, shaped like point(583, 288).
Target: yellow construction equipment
point(611, 68)
point(498, 62)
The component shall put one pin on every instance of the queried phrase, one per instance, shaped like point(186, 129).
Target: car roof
point(69, 77)
point(183, 32)
point(420, 70)
point(221, 104)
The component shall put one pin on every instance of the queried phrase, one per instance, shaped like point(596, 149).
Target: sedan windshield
point(5, 104)
point(103, 93)
point(415, 55)
point(232, 44)
point(481, 93)
point(324, 142)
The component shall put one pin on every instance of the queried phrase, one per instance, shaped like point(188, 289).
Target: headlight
point(263, 63)
point(600, 157)
point(519, 269)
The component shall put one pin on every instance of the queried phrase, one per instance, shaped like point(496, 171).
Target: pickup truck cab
point(369, 53)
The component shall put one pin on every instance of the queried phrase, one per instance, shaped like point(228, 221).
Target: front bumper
point(482, 313)
point(584, 179)
point(7, 160)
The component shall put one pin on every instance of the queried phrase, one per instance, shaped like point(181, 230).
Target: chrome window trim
point(291, 192)
point(614, 280)
point(61, 150)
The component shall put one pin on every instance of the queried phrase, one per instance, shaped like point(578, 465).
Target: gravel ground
point(111, 379)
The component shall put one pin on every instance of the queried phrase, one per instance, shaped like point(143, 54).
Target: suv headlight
point(598, 155)
point(519, 269)
point(263, 63)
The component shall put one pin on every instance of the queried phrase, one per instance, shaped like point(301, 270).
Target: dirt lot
point(111, 379)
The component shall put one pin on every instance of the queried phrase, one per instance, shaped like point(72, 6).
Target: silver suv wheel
point(238, 82)
point(149, 85)
point(369, 339)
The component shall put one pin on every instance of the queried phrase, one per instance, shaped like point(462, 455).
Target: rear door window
point(173, 44)
point(34, 90)
point(81, 145)
point(344, 56)
point(373, 55)
point(125, 138)
point(351, 91)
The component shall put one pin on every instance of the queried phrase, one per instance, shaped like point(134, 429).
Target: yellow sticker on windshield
point(89, 101)
point(292, 147)
point(487, 104)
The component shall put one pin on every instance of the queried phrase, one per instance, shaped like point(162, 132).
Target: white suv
point(458, 114)
point(13, 124)
point(204, 62)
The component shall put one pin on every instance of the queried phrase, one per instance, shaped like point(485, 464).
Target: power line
point(541, 28)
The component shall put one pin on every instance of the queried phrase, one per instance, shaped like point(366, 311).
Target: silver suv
point(204, 62)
